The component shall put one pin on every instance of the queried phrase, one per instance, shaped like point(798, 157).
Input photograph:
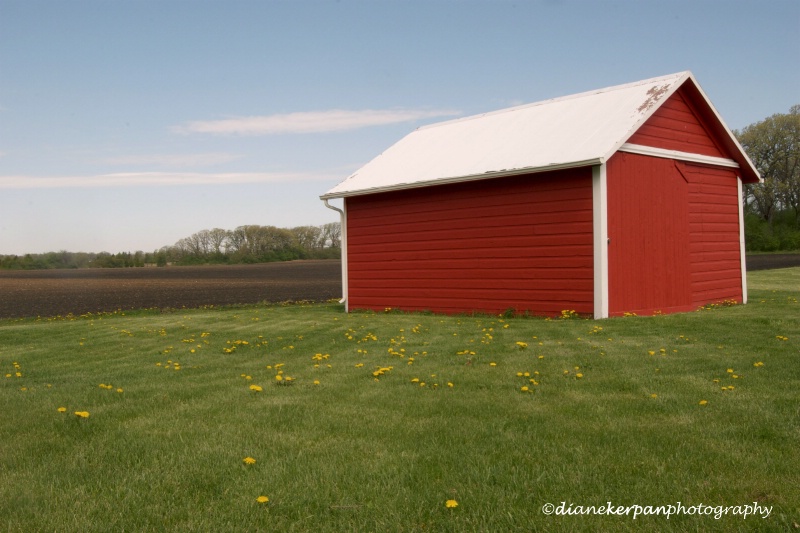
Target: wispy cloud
point(155, 179)
point(173, 160)
point(310, 121)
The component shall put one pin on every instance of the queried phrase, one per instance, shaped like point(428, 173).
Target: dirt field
point(59, 292)
point(770, 261)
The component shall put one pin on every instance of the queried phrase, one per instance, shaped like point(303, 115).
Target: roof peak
point(671, 78)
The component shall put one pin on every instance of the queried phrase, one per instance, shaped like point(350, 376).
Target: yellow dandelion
point(703, 402)
point(82, 414)
point(524, 389)
point(256, 388)
point(490, 364)
point(451, 504)
point(316, 382)
point(249, 461)
point(262, 499)
point(62, 409)
point(278, 378)
point(120, 390)
point(654, 395)
point(450, 384)
point(579, 375)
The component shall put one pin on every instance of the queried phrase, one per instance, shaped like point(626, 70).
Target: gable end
point(676, 125)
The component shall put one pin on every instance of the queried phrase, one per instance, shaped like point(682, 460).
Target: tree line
point(245, 244)
point(772, 208)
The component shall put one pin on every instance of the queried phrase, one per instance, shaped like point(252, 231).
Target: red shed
point(624, 199)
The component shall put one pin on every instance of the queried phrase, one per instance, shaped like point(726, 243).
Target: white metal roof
point(577, 130)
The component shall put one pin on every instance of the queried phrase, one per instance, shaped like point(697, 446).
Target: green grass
point(360, 453)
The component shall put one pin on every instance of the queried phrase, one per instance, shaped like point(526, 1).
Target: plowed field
point(59, 292)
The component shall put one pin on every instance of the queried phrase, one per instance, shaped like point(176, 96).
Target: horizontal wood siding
point(648, 228)
point(676, 125)
point(713, 234)
point(522, 243)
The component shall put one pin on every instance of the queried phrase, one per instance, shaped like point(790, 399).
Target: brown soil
point(770, 261)
point(60, 292)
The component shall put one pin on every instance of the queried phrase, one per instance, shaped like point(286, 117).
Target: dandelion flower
point(249, 461)
point(82, 414)
point(262, 499)
point(256, 388)
point(450, 504)
point(490, 364)
point(579, 375)
point(524, 389)
point(654, 395)
point(62, 409)
point(703, 402)
point(316, 382)
point(450, 384)
point(119, 390)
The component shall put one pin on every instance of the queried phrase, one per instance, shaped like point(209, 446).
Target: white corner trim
point(677, 154)
point(743, 259)
point(600, 233)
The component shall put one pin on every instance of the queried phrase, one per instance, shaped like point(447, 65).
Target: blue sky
point(128, 125)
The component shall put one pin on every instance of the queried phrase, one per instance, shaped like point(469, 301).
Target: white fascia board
point(600, 239)
point(742, 258)
point(461, 179)
point(679, 155)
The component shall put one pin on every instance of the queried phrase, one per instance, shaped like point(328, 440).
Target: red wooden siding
point(648, 228)
point(677, 125)
point(674, 231)
point(522, 242)
point(713, 234)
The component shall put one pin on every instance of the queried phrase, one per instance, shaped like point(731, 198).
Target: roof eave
point(462, 179)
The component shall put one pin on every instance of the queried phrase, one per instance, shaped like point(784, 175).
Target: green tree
point(773, 145)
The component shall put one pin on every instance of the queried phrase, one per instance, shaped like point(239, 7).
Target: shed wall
point(522, 243)
point(674, 230)
point(713, 234)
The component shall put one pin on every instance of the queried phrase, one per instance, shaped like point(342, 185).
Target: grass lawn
point(372, 422)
